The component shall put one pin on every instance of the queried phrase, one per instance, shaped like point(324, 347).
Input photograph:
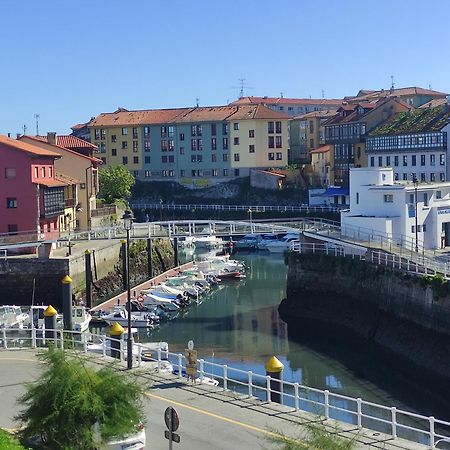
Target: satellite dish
point(191, 345)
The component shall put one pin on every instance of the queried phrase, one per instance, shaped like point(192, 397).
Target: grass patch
point(9, 442)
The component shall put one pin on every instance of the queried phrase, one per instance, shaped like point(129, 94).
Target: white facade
point(387, 207)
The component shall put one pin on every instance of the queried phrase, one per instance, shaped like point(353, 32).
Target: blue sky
point(70, 60)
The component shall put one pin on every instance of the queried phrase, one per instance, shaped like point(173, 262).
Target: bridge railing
point(325, 403)
point(381, 258)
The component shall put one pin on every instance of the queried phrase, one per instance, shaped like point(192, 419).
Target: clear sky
point(69, 60)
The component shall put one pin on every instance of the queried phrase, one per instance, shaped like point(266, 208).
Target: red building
point(31, 196)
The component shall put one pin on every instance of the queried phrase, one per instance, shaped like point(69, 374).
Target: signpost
point(172, 423)
point(191, 361)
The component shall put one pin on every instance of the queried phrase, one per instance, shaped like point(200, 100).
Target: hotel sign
point(444, 211)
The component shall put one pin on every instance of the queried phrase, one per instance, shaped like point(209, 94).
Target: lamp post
point(160, 209)
point(415, 181)
point(128, 223)
point(250, 215)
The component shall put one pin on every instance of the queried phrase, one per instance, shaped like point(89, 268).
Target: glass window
point(413, 160)
point(422, 177)
point(11, 202)
point(425, 199)
point(251, 148)
point(380, 161)
point(124, 160)
point(271, 156)
point(236, 157)
point(236, 126)
point(251, 133)
point(236, 141)
point(422, 160)
point(396, 161)
point(181, 136)
point(432, 160)
point(270, 127)
point(213, 143)
point(405, 160)
point(442, 159)
point(278, 127)
point(438, 194)
point(225, 143)
point(213, 129)
point(279, 156)
point(271, 142)
point(442, 176)
point(278, 143)
point(388, 161)
point(124, 131)
point(372, 161)
point(388, 198)
point(124, 145)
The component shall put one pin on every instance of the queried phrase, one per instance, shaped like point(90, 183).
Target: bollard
point(116, 332)
point(149, 258)
point(50, 323)
point(88, 271)
point(175, 251)
point(274, 369)
point(124, 264)
point(67, 302)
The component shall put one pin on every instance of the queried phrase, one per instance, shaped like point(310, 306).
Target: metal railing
point(381, 258)
point(393, 421)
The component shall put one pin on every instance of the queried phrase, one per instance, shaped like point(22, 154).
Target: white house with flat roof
point(388, 208)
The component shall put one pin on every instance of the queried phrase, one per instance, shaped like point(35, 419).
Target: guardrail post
point(104, 345)
point(61, 338)
point(180, 365)
point(432, 433)
point(225, 377)
point(250, 383)
point(5, 344)
point(296, 397)
point(202, 369)
point(269, 397)
point(359, 412)
point(326, 394)
point(394, 421)
point(33, 336)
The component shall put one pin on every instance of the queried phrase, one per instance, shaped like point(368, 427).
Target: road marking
point(215, 416)
point(18, 359)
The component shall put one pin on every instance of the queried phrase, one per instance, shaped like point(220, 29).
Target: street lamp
point(415, 181)
point(128, 223)
point(160, 209)
point(250, 215)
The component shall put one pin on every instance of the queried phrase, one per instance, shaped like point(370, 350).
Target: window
point(442, 159)
point(388, 198)
point(357, 198)
point(271, 156)
point(438, 195)
point(124, 131)
point(224, 128)
point(12, 229)
point(182, 173)
point(396, 176)
point(236, 126)
point(124, 160)
point(278, 143)
point(113, 138)
point(388, 161)
point(43, 172)
point(411, 199)
point(405, 177)
point(278, 127)
point(170, 131)
point(135, 133)
point(164, 159)
point(422, 160)
point(146, 146)
point(171, 145)
point(164, 131)
point(311, 142)
point(11, 202)
point(236, 172)
point(10, 172)
point(424, 228)
point(251, 133)
point(251, 148)
point(135, 146)
point(181, 150)
point(270, 128)
point(164, 145)
point(199, 145)
point(124, 145)
point(405, 160)
point(181, 136)
point(213, 157)
point(225, 157)
point(196, 130)
point(442, 176)
point(103, 159)
point(193, 145)
point(236, 157)
point(372, 161)
point(213, 143)
point(271, 142)
point(113, 152)
point(380, 161)
point(225, 172)
point(419, 228)
point(102, 147)
point(135, 159)
point(396, 161)
point(413, 160)
point(172, 158)
point(225, 143)
point(36, 172)
point(213, 129)
point(432, 160)
point(97, 134)
point(146, 132)
point(215, 173)
point(425, 199)
point(236, 141)
point(432, 177)
point(422, 177)
point(147, 160)
point(279, 156)
point(413, 229)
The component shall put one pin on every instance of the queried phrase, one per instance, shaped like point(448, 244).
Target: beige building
point(82, 173)
point(320, 163)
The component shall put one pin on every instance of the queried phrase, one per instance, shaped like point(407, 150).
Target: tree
point(71, 406)
point(115, 183)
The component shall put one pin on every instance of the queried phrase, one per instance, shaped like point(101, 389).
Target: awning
point(335, 190)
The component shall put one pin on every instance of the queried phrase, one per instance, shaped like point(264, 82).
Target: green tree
point(115, 183)
point(72, 406)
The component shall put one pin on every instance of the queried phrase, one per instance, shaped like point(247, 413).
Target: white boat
point(80, 318)
point(120, 316)
point(283, 244)
point(267, 239)
point(248, 242)
point(151, 299)
point(207, 242)
point(12, 316)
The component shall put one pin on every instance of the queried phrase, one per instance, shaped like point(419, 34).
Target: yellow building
point(320, 163)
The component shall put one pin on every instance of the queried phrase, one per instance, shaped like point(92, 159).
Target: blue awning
point(336, 190)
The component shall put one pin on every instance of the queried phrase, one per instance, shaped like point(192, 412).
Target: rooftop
point(415, 121)
point(400, 92)
point(287, 101)
point(27, 148)
point(323, 149)
point(320, 114)
point(68, 141)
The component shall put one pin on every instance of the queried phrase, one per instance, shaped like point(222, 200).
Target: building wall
point(321, 166)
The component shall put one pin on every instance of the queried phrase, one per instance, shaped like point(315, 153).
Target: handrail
point(331, 405)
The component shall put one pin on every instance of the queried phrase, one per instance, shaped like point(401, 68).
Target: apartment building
point(414, 143)
point(193, 146)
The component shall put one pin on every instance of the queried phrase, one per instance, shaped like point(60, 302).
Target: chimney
point(51, 138)
point(9, 135)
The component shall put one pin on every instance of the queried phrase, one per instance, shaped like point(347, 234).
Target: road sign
point(172, 436)
point(171, 418)
point(191, 364)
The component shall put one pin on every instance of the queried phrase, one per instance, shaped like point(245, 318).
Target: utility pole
point(37, 116)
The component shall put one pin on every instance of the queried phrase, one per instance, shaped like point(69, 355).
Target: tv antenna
point(196, 101)
point(24, 130)
point(36, 117)
point(323, 94)
point(242, 85)
point(392, 82)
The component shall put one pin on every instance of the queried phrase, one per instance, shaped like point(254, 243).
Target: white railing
point(418, 266)
point(329, 405)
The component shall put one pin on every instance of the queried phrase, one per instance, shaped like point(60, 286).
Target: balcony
point(104, 210)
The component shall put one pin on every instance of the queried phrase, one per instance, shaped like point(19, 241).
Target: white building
point(388, 208)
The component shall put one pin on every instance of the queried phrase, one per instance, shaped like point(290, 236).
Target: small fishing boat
point(120, 316)
point(12, 316)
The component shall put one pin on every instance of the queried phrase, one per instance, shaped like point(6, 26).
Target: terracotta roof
point(50, 182)
point(258, 111)
point(435, 102)
point(143, 117)
point(28, 148)
point(56, 147)
point(287, 101)
point(68, 141)
point(323, 149)
point(67, 179)
point(206, 114)
point(401, 92)
point(321, 114)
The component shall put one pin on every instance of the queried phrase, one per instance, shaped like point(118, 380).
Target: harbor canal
point(238, 325)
